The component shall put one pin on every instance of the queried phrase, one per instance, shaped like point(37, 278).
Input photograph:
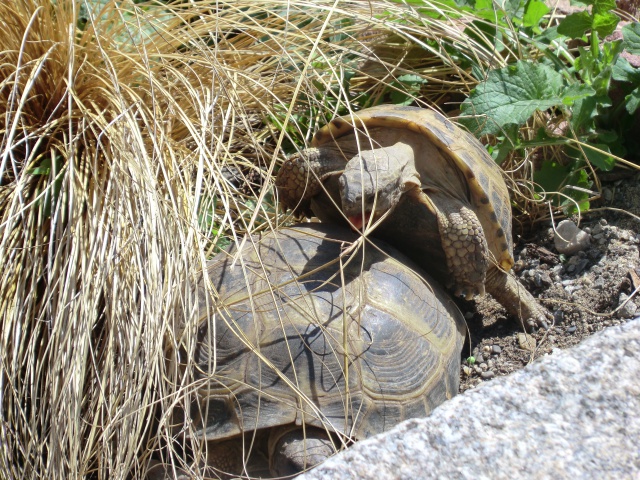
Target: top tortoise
point(448, 204)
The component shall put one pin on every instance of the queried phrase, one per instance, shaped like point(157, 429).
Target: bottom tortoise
point(310, 350)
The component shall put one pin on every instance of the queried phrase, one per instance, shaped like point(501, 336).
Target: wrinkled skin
point(375, 184)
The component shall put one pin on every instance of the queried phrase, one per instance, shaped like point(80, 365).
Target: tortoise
point(307, 353)
point(429, 186)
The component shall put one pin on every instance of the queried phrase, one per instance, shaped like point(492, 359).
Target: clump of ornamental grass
point(136, 140)
point(92, 216)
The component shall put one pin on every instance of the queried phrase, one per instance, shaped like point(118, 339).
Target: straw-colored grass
point(114, 138)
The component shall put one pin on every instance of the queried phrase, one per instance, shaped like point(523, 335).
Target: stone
point(572, 414)
point(487, 375)
point(628, 307)
point(569, 239)
point(597, 229)
point(526, 342)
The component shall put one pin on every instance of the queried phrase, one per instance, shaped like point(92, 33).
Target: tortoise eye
point(369, 198)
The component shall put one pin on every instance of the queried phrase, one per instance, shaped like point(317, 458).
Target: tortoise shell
point(276, 352)
point(489, 195)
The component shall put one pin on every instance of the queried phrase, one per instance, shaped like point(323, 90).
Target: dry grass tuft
point(124, 149)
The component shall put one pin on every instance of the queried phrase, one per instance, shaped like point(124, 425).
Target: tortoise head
point(374, 181)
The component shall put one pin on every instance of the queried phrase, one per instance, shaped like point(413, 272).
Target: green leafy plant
point(570, 91)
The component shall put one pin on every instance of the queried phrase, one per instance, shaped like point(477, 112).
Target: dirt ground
point(585, 292)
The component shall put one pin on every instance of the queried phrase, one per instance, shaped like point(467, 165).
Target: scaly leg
point(516, 299)
point(463, 242)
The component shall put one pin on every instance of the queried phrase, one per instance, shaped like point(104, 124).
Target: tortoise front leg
point(463, 242)
point(301, 176)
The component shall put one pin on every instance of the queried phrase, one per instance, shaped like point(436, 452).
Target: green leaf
point(623, 71)
point(603, 6)
point(461, 3)
point(44, 168)
point(555, 177)
point(576, 92)
point(551, 176)
point(582, 115)
point(506, 144)
point(631, 35)
point(512, 7)
point(575, 25)
point(578, 198)
point(406, 88)
point(601, 160)
point(605, 23)
point(534, 11)
point(511, 95)
point(633, 101)
point(610, 52)
point(608, 136)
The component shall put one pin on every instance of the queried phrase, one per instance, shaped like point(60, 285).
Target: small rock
point(569, 239)
point(487, 375)
point(572, 329)
point(607, 194)
point(496, 349)
point(526, 342)
point(629, 309)
point(581, 265)
point(597, 229)
point(572, 288)
point(542, 279)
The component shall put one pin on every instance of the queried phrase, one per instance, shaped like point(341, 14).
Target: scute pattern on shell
point(403, 349)
point(483, 175)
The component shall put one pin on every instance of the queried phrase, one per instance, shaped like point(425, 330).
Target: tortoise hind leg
point(463, 242)
point(292, 451)
point(516, 299)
